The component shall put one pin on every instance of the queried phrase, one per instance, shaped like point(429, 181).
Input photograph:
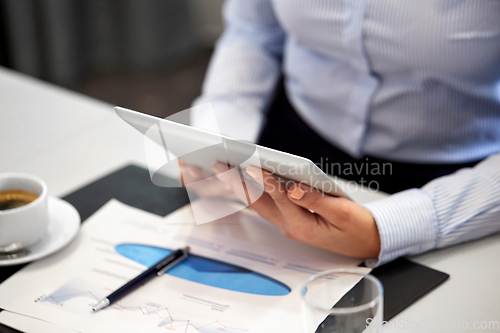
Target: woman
point(412, 83)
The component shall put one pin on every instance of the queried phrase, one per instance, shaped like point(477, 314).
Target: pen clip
point(164, 269)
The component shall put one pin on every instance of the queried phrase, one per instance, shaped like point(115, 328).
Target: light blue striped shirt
point(404, 80)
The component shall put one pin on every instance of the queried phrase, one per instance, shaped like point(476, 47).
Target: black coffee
point(15, 198)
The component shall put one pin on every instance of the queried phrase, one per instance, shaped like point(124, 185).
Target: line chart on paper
point(78, 295)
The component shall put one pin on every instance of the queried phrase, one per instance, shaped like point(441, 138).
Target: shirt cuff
point(227, 119)
point(407, 224)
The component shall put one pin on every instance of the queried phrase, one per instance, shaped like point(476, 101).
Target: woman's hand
point(192, 176)
point(306, 215)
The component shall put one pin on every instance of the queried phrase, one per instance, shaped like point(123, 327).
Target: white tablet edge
point(201, 138)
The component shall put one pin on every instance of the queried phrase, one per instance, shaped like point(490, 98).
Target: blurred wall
point(63, 40)
point(207, 20)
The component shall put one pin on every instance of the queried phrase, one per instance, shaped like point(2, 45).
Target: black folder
point(404, 281)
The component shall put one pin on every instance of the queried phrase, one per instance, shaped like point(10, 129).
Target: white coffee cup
point(23, 226)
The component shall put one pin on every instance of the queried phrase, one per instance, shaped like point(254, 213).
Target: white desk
point(70, 140)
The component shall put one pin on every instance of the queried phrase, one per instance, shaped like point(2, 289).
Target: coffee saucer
point(63, 227)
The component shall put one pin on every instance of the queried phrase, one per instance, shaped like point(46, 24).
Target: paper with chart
point(233, 282)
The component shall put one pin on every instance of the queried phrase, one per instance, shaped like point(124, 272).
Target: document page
point(242, 275)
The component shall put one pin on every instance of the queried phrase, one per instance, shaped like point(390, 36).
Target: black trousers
point(285, 130)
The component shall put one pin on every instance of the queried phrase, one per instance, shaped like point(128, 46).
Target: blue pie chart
point(207, 271)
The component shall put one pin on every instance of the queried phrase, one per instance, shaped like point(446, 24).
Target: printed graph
point(77, 296)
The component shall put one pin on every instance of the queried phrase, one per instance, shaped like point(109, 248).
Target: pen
point(156, 270)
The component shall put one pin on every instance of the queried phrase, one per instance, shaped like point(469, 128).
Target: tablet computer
point(203, 148)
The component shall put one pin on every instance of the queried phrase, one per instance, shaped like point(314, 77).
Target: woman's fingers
point(343, 226)
point(195, 180)
point(264, 205)
point(337, 224)
point(231, 179)
point(190, 173)
point(296, 217)
point(337, 209)
point(275, 188)
point(207, 188)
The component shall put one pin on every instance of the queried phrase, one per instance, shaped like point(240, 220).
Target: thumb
point(310, 198)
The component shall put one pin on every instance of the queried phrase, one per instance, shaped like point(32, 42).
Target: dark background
point(147, 55)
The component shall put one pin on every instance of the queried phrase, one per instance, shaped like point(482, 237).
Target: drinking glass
point(342, 300)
